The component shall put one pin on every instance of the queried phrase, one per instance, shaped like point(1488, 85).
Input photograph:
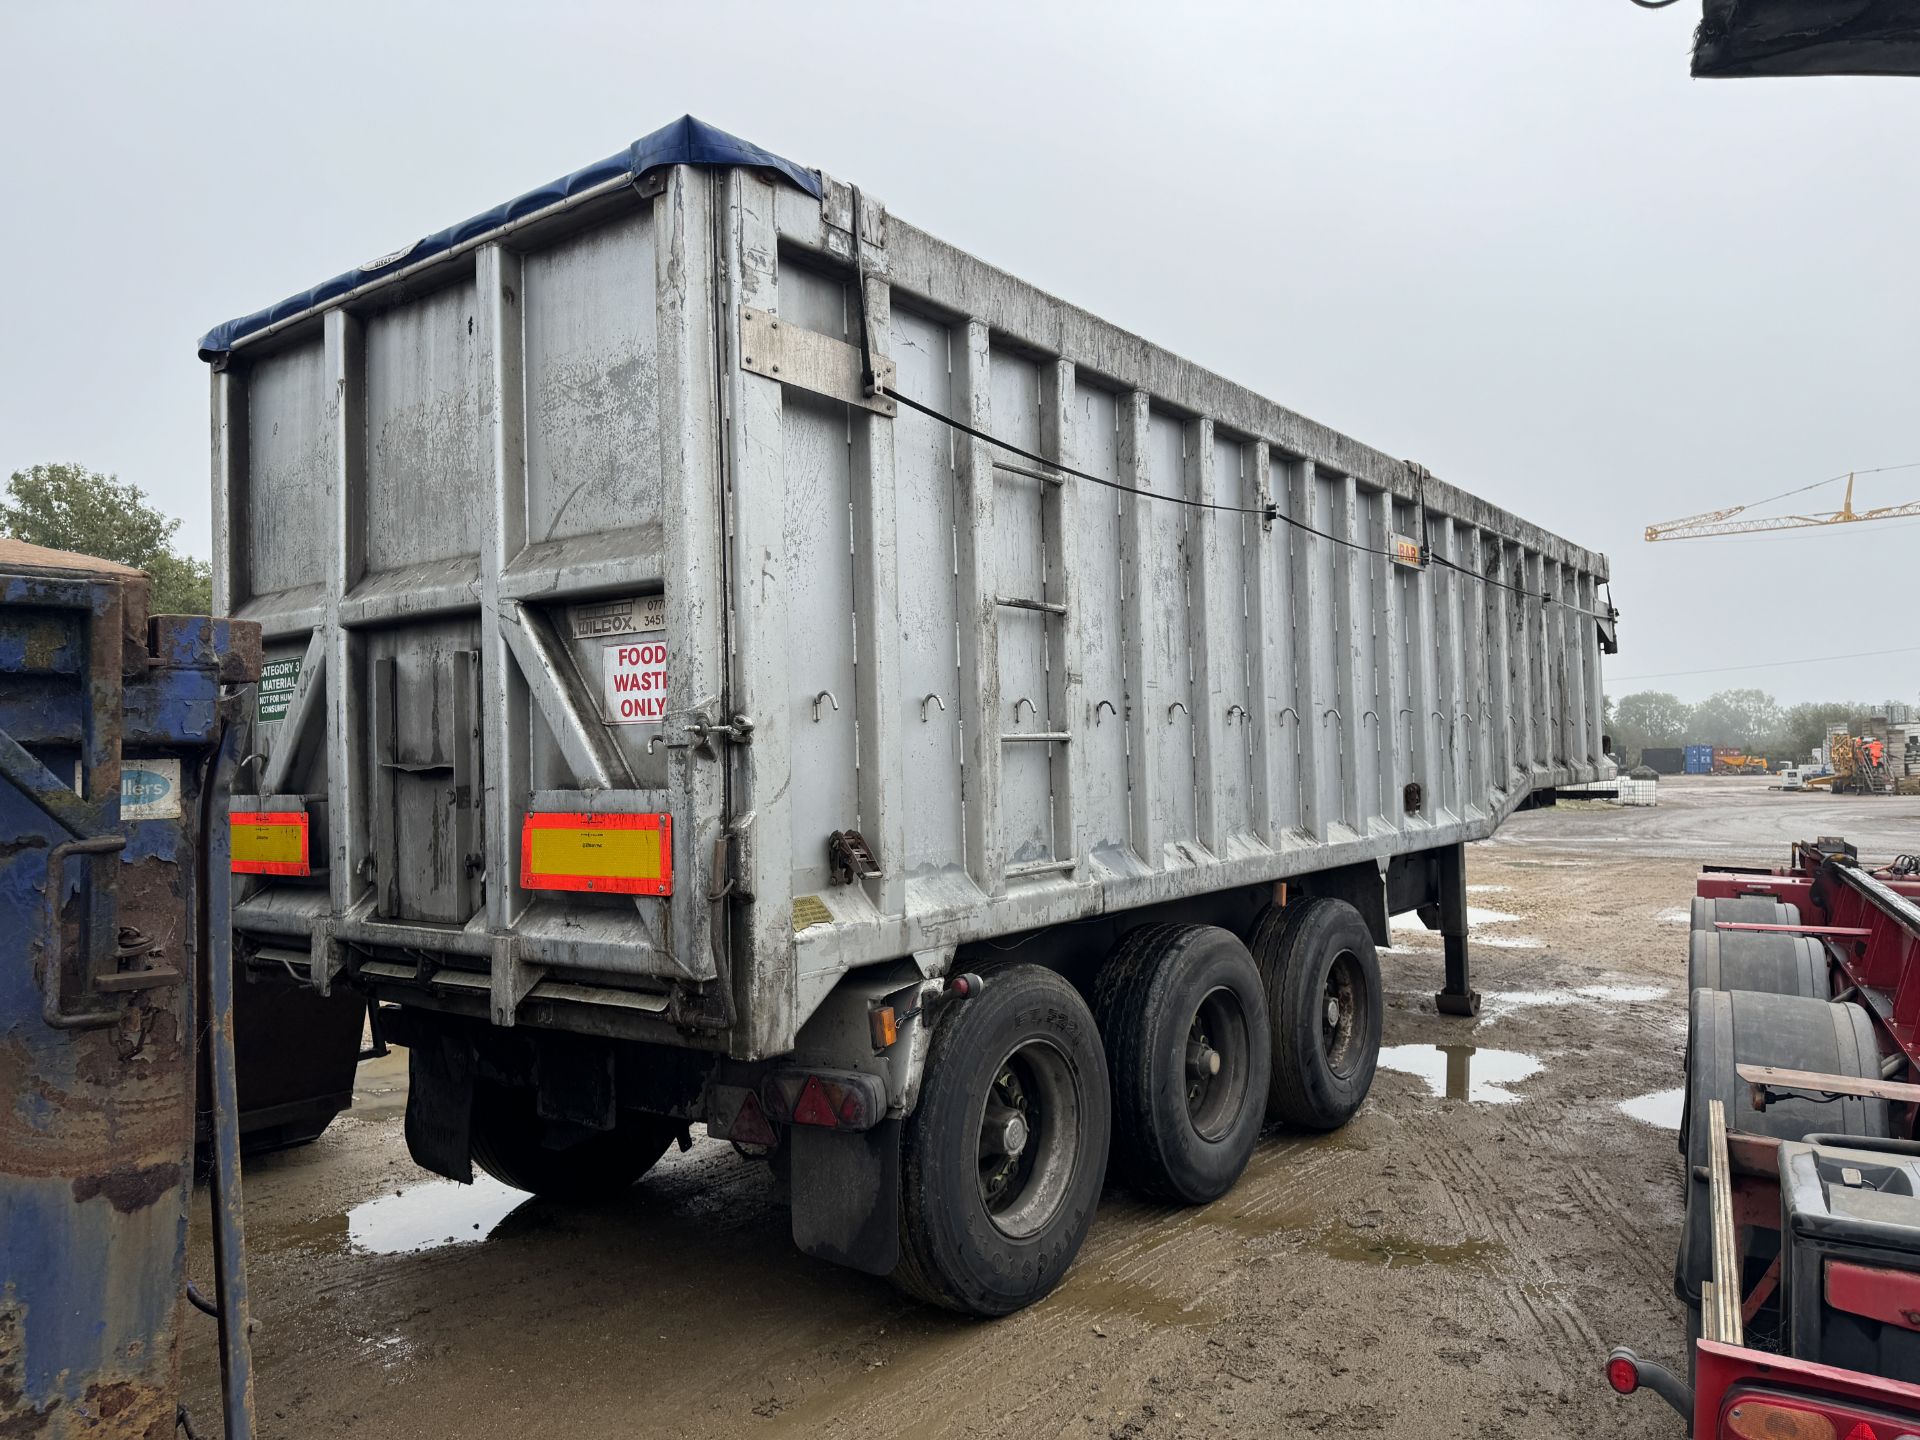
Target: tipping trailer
point(1799, 1260)
point(734, 658)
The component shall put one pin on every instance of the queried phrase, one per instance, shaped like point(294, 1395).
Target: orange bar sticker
point(611, 854)
point(268, 842)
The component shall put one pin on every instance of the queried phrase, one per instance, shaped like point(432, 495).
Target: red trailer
point(1800, 1257)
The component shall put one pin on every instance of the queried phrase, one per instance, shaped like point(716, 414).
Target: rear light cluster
point(1765, 1415)
point(825, 1099)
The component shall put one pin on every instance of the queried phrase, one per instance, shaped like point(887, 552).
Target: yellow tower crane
point(1726, 522)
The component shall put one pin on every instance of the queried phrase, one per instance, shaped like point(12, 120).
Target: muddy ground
point(1456, 1262)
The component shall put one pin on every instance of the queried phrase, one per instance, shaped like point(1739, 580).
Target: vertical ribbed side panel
point(1353, 677)
point(931, 682)
point(978, 562)
point(345, 531)
point(763, 644)
point(504, 718)
point(1311, 590)
point(876, 594)
point(1144, 608)
point(1101, 596)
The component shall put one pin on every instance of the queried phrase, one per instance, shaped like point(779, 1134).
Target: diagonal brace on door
point(556, 688)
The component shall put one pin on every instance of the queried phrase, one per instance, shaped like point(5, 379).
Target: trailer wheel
point(1322, 979)
point(515, 1146)
point(1002, 1160)
point(1730, 1028)
point(1184, 1020)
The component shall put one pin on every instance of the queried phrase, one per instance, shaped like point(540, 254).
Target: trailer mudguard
point(846, 1195)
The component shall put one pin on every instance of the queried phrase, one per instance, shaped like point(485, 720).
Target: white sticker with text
point(636, 675)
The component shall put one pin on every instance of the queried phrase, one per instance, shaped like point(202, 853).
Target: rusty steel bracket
point(52, 961)
point(850, 858)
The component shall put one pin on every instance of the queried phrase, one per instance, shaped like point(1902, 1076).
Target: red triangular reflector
point(813, 1107)
point(750, 1126)
point(1863, 1431)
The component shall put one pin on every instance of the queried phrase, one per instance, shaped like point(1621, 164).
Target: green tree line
point(69, 507)
point(1749, 720)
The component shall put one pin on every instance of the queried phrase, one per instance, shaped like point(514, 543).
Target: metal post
point(1458, 997)
point(229, 1226)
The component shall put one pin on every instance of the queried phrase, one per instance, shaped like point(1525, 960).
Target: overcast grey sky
point(1510, 239)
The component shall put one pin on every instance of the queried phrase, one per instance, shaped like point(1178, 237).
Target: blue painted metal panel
point(97, 1001)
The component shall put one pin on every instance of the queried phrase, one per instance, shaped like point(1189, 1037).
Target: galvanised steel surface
point(106, 725)
point(453, 499)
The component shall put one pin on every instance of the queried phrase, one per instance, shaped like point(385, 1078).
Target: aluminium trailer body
point(702, 606)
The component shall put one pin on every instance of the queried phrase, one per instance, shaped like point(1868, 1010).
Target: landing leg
point(1458, 997)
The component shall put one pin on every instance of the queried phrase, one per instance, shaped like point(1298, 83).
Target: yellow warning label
point(612, 854)
point(808, 911)
point(263, 843)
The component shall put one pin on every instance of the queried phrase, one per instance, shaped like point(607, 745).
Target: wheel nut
point(1333, 1014)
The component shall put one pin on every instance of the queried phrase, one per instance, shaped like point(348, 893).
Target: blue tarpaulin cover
point(686, 141)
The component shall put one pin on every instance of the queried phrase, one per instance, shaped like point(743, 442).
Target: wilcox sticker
point(633, 616)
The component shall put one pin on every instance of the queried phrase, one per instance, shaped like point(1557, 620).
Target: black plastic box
point(1850, 1271)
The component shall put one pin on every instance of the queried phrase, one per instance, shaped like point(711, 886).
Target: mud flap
point(440, 1105)
point(846, 1195)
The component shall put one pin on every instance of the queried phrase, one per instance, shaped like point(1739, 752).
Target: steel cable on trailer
point(1265, 512)
point(1268, 512)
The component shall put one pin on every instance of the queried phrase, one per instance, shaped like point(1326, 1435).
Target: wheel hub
point(1007, 1128)
point(1203, 1061)
point(1028, 1133)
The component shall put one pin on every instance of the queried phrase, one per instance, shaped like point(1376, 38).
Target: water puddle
point(1662, 1108)
point(1361, 1238)
point(429, 1215)
point(1463, 1072)
point(1376, 1247)
point(1104, 1298)
point(1476, 915)
point(380, 1087)
point(1496, 1003)
point(1479, 920)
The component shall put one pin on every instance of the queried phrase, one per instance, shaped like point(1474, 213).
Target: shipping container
point(1699, 759)
point(1667, 759)
point(713, 623)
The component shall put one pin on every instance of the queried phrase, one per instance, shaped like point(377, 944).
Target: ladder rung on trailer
point(1013, 602)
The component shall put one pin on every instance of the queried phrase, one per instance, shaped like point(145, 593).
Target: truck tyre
point(1322, 978)
point(1730, 1028)
point(516, 1147)
point(1742, 910)
point(1002, 1161)
point(1184, 1021)
point(1773, 964)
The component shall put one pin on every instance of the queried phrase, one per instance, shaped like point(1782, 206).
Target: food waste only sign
point(636, 676)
